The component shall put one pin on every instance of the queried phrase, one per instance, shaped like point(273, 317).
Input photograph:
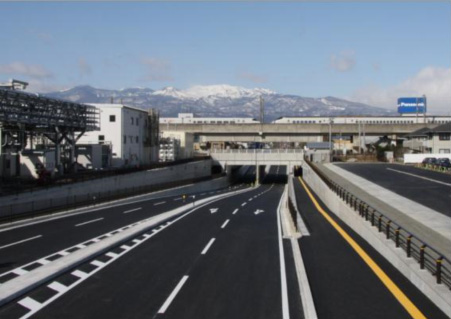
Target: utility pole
point(262, 110)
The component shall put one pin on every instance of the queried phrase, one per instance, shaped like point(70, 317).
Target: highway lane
point(343, 284)
point(429, 188)
point(55, 238)
point(221, 261)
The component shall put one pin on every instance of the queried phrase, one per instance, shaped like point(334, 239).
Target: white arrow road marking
point(213, 210)
point(258, 211)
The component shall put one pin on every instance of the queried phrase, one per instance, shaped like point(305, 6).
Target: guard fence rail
point(427, 257)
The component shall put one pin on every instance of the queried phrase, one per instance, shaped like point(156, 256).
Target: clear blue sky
point(310, 49)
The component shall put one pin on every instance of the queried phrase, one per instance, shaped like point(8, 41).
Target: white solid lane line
point(172, 296)
point(132, 210)
point(160, 203)
point(418, 176)
point(208, 246)
point(235, 211)
point(225, 223)
point(20, 241)
point(89, 222)
point(283, 275)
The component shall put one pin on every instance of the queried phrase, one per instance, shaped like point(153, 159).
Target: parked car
point(429, 161)
point(444, 162)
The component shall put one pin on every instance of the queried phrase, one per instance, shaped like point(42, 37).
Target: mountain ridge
point(220, 101)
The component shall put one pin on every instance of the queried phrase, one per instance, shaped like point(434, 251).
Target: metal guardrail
point(428, 257)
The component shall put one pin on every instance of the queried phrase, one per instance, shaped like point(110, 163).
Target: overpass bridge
point(272, 132)
point(257, 157)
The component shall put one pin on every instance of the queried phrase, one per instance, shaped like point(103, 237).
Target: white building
point(132, 132)
point(189, 118)
point(432, 141)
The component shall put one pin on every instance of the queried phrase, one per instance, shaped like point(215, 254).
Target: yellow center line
point(392, 287)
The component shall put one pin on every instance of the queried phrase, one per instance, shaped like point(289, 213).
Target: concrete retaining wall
point(101, 188)
point(422, 279)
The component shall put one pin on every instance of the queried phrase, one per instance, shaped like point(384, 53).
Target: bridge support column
point(257, 175)
point(228, 170)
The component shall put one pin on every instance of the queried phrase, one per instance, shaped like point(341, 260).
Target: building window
point(112, 118)
point(125, 139)
point(132, 120)
point(444, 136)
point(137, 121)
point(101, 138)
point(131, 139)
point(136, 139)
point(444, 151)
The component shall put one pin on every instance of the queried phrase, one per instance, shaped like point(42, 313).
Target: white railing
point(258, 151)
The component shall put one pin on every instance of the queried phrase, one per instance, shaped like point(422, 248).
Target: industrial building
point(131, 132)
point(175, 145)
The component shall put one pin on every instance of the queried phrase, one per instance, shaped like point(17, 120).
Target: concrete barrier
point(93, 190)
point(422, 279)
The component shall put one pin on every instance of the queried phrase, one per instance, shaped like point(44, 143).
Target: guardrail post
point(387, 229)
point(409, 246)
point(379, 223)
point(397, 236)
point(372, 218)
point(422, 248)
point(439, 269)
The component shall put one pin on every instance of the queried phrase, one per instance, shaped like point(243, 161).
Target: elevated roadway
point(288, 132)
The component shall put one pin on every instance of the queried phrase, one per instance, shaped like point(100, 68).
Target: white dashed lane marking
point(89, 222)
point(208, 246)
point(132, 210)
point(173, 294)
point(20, 241)
point(225, 223)
point(160, 203)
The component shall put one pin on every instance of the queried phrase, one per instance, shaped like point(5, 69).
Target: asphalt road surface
point(429, 188)
point(223, 260)
point(27, 247)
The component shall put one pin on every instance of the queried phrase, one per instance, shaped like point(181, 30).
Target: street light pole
point(330, 139)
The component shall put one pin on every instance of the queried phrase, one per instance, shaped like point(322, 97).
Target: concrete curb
point(302, 228)
point(308, 305)
point(22, 284)
point(422, 279)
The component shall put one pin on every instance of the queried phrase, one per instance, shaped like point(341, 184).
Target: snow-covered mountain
point(220, 101)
